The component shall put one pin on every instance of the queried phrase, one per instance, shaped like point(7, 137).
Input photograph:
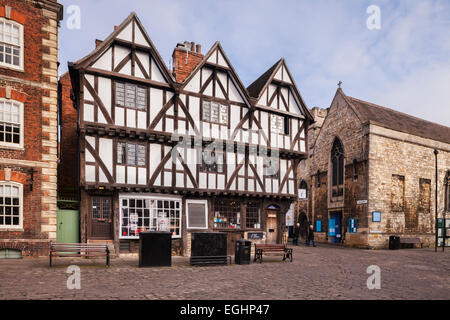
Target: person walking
point(310, 236)
point(296, 234)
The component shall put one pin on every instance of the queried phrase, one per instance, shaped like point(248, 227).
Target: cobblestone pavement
point(324, 272)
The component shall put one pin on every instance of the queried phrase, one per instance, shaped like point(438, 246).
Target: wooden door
point(272, 226)
point(101, 218)
point(68, 229)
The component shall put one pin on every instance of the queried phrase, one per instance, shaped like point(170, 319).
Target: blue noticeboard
point(318, 226)
point(376, 216)
point(332, 227)
point(352, 225)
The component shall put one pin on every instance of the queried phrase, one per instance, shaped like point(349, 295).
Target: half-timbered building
point(186, 150)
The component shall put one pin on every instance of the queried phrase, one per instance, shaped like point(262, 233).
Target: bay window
point(149, 213)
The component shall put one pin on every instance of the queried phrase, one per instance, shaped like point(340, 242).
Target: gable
point(128, 51)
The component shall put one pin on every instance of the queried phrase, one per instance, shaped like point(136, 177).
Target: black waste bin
point(242, 251)
point(155, 249)
point(394, 242)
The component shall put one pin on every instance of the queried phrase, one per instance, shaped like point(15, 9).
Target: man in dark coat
point(310, 236)
point(296, 234)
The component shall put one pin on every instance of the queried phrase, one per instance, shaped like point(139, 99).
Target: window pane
point(141, 98)
point(120, 94)
point(196, 215)
point(223, 114)
point(206, 111)
point(130, 95)
point(141, 155)
point(131, 154)
point(215, 109)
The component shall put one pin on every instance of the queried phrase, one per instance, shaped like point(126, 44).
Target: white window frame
point(148, 197)
point(4, 227)
point(12, 145)
point(205, 202)
point(20, 67)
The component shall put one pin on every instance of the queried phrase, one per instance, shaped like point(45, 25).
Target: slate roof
point(254, 90)
point(399, 121)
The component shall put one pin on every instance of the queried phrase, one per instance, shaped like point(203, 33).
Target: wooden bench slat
point(79, 250)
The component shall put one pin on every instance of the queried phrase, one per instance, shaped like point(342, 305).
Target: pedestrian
point(296, 234)
point(310, 236)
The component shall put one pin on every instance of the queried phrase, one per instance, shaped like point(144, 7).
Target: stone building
point(371, 174)
point(28, 125)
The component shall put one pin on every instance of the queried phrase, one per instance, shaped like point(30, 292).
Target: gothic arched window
point(337, 164)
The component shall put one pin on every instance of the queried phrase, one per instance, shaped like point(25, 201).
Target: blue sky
point(405, 65)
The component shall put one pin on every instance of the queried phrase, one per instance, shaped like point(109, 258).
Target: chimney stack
point(186, 56)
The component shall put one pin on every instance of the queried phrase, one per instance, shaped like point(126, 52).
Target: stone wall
point(402, 184)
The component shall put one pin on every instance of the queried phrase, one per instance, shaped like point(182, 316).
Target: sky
point(404, 64)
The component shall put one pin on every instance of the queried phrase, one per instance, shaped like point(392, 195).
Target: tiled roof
point(255, 88)
point(399, 121)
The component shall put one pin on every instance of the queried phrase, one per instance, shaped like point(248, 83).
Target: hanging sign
point(302, 193)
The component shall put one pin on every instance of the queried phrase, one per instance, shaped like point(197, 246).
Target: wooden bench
point(79, 250)
point(261, 249)
point(412, 241)
point(210, 260)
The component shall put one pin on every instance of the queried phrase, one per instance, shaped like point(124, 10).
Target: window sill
point(18, 69)
point(11, 147)
point(2, 229)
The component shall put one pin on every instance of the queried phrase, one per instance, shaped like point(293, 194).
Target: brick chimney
point(185, 59)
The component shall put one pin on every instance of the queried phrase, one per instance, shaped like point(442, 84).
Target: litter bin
point(394, 242)
point(155, 249)
point(242, 251)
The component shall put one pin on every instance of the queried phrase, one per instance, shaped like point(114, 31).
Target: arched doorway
point(303, 220)
point(272, 223)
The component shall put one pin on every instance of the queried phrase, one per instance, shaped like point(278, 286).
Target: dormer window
point(215, 112)
point(11, 44)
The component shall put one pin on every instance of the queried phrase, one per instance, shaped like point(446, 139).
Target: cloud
point(405, 65)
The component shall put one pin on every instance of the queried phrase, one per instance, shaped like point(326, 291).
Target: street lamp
point(436, 200)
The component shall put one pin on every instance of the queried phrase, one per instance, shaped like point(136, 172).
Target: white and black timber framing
point(172, 163)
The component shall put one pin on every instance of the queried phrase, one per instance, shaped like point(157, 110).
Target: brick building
point(28, 125)
point(371, 174)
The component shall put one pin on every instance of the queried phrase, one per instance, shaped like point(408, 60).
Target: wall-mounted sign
point(376, 216)
point(133, 218)
point(255, 235)
point(302, 193)
point(290, 216)
point(361, 202)
point(318, 226)
point(352, 225)
point(272, 215)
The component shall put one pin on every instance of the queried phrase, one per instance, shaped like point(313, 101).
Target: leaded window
point(215, 112)
point(131, 96)
point(145, 213)
point(10, 122)
point(227, 214)
point(10, 205)
point(132, 154)
point(337, 163)
point(253, 218)
point(212, 161)
point(279, 124)
point(11, 46)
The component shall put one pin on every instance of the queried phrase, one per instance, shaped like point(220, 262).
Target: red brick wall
point(182, 70)
point(27, 86)
point(68, 160)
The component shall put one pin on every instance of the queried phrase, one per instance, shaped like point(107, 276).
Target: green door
point(68, 226)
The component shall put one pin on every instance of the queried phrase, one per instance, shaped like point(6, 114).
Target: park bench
point(87, 250)
point(261, 249)
point(412, 241)
point(210, 260)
